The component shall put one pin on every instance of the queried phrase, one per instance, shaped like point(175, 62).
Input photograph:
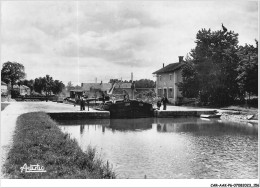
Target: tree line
point(142, 83)
point(218, 71)
point(13, 73)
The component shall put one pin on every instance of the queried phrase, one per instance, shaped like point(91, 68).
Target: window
point(170, 93)
point(170, 76)
point(160, 78)
point(165, 92)
point(159, 92)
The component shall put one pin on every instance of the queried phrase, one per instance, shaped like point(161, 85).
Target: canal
point(181, 148)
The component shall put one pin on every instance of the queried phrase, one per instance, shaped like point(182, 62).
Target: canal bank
point(9, 118)
point(38, 140)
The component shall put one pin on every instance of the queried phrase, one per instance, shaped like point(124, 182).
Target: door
point(165, 92)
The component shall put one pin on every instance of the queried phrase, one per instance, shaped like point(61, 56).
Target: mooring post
point(88, 105)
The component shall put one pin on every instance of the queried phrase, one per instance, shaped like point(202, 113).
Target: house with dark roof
point(94, 89)
point(166, 81)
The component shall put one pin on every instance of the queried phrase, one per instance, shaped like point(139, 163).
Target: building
point(95, 89)
point(166, 81)
point(4, 90)
point(122, 88)
point(76, 93)
point(22, 89)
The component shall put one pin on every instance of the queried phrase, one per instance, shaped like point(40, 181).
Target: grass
point(38, 140)
point(3, 105)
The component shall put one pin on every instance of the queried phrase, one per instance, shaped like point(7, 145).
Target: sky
point(80, 41)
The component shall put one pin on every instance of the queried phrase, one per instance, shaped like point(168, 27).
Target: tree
point(39, 84)
point(48, 85)
point(12, 72)
point(113, 80)
point(144, 83)
point(190, 84)
point(248, 69)
point(211, 73)
point(69, 86)
point(57, 87)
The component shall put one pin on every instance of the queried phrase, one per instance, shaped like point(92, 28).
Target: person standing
point(159, 104)
point(164, 101)
point(82, 104)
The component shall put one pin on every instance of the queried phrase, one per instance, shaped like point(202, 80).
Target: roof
point(3, 83)
point(123, 85)
point(170, 68)
point(20, 87)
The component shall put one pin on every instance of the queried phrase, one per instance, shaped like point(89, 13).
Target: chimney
point(95, 80)
point(163, 65)
point(132, 77)
point(180, 59)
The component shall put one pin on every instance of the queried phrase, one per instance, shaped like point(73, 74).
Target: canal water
point(181, 148)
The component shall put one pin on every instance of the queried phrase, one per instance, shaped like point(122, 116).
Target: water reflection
point(131, 124)
point(171, 147)
point(204, 126)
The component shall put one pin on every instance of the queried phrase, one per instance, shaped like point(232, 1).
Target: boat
point(128, 109)
point(210, 115)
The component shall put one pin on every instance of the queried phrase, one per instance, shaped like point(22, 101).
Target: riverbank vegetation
point(3, 106)
point(38, 140)
point(219, 71)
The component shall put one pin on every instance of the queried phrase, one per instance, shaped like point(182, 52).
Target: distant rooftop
point(170, 68)
point(123, 85)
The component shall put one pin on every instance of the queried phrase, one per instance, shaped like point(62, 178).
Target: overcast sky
point(78, 41)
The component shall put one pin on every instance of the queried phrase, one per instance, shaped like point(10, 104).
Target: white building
point(4, 89)
point(166, 81)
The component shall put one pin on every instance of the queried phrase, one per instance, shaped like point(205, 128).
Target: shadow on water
point(199, 126)
point(131, 124)
point(204, 126)
point(114, 124)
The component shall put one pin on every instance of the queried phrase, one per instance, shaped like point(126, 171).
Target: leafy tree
point(39, 84)
point(190, 84)
point(69, 86)
point(144, 83)
point(211, 73)
point(48, 85)
point(12, 72)
point(113, 80)
point(57, 87)
point(248, 69)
